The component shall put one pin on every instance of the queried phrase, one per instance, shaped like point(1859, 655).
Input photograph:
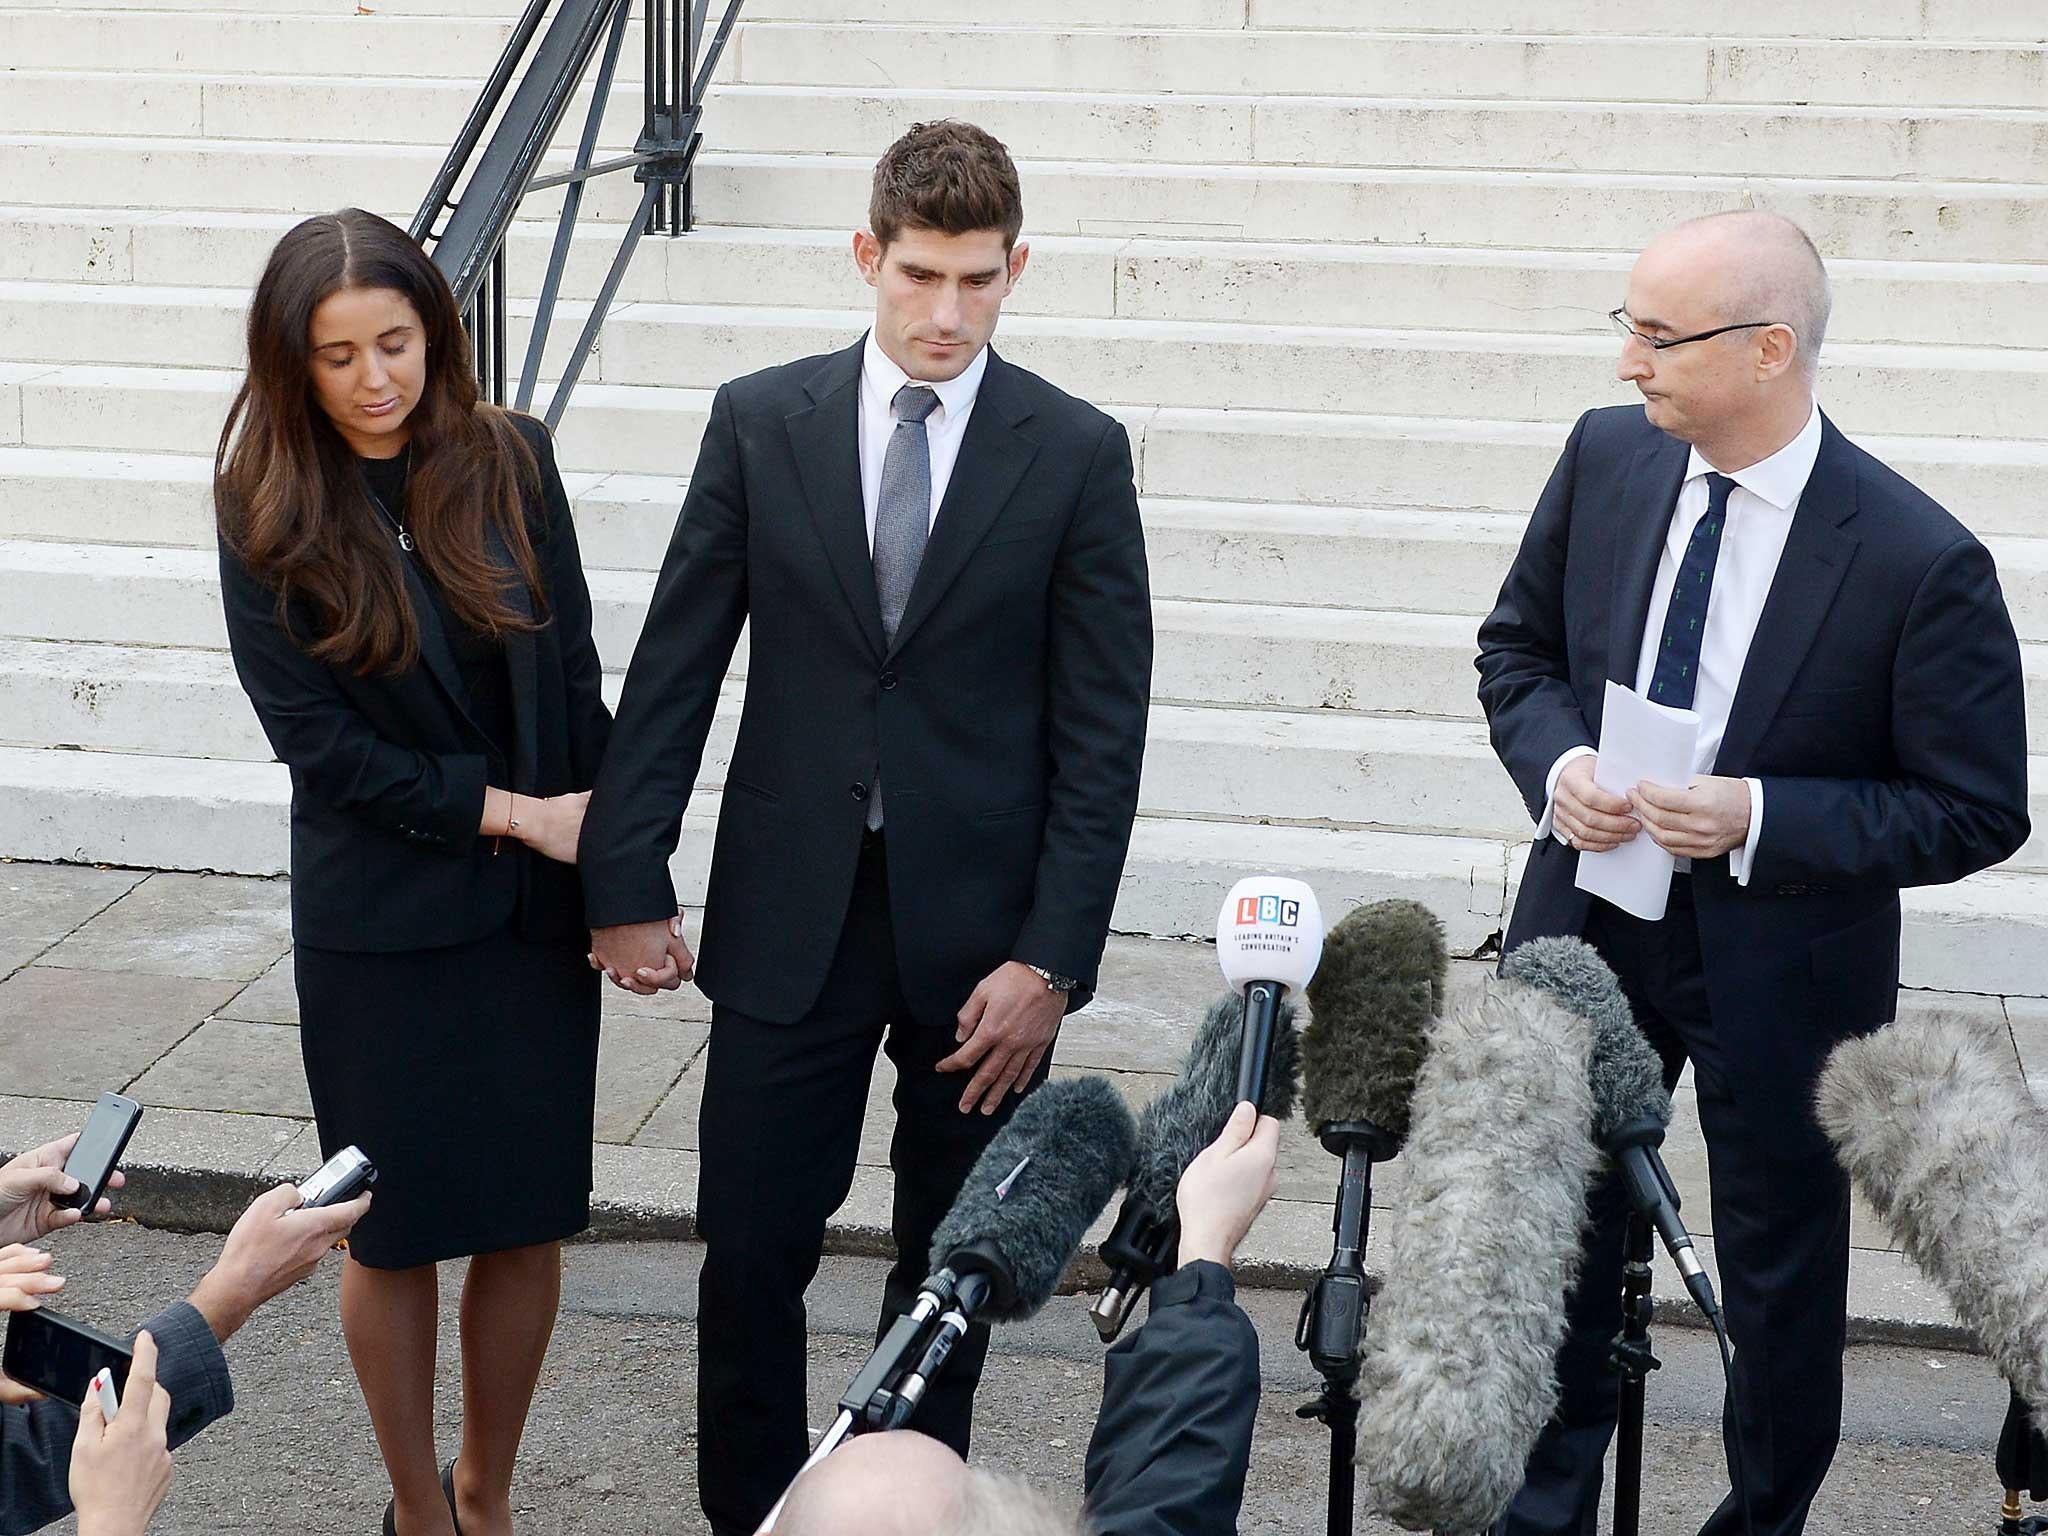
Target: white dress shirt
point(880, 378)
point(1760, 511)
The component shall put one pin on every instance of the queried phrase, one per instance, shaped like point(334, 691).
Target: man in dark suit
point(925, 820)
point(1725, 549)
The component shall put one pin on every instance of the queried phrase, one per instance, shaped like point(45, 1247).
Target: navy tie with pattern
point(1677, 675)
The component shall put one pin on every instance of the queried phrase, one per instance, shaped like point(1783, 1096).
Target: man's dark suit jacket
point(1007, 719)
point(1173, 1443)
point(36, 1439)
point(388, 773)
point(1882, 706)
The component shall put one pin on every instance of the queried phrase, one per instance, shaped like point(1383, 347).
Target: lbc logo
point(1267, 910)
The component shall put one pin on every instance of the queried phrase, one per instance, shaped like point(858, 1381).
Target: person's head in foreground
point(1722, 332)
point(907, 1484)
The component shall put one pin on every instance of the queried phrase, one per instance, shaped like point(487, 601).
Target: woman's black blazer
point(388, 773)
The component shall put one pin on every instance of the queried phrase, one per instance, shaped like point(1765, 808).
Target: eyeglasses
point(1623, 324)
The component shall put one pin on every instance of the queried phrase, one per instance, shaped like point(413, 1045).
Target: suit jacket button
point(888, 680)
point(860, 791)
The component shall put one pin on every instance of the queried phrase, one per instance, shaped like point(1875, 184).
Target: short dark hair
point(947, 176)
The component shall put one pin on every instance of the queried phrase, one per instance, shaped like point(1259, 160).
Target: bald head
point(1751, 265)
point(906, 1484)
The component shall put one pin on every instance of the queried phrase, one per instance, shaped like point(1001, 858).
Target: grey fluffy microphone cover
point(1626, 1077)
point(1460, 1363)
point(1377, 990)
point(1935, 1125)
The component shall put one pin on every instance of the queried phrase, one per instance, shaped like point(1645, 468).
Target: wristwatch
point(1054, 982)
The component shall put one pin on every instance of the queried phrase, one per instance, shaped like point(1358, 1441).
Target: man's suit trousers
point(1780, 1223)
point(779, 1139)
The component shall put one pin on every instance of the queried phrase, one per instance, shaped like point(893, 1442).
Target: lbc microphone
point(1933, 1122)
point(1379, 988)
point(1460, 1371)
point(1018, 1219)
point(1630, 1105)
point(1269, 936)
point(1188, 1115)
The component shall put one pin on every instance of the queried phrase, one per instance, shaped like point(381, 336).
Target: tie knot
point(914, 402)
point(1718, 489)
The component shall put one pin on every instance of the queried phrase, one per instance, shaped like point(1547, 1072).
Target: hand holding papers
point(1638, 741)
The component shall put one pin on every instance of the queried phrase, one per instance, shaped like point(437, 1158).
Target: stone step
point(1935, 20)
point(1046, 56)
point(1231, 653)
point(1320, 769)
point(1387, 558)
point(1744, 140)
point(1414, 287)
point(190, 813)
point(1984, 934)
point(1988, 391)
point(1877, 220)
point(1305, 458)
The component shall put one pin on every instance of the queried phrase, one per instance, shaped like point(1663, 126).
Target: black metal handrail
point(469, 246)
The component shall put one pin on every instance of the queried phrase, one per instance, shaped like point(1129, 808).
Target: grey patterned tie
point(903, 522)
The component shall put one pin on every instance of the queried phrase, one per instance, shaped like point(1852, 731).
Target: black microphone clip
point(1139, 1249)
point(1633, 1146)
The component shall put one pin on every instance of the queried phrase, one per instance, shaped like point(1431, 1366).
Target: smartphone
point(61, 1357)
point(100, 1145)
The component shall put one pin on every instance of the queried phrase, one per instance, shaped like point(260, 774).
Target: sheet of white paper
point(1638, 740)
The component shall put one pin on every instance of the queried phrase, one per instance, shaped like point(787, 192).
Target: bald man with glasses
point(1724, 548)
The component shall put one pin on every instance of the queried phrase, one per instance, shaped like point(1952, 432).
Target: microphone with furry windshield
point(1935, 1126)
point(1017, 1221)
point(1174, 1127)
point(1460, 1369)
point(1630, 1105)
point(1373, 999)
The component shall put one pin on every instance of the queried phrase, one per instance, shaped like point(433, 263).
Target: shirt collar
point(1780, 479)
point(883, 378)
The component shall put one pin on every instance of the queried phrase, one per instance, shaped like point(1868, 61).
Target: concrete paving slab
point(76, 1034)
point(674, 1121)
point(638, 1062)
point(233, 1065)
point(272, 998)
point(41, 903)
point(186, 925)
point(2029, 1020)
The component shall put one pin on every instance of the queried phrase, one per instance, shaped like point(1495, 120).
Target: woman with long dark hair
point(409, 617)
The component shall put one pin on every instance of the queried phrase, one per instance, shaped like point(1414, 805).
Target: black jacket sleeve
point(432, 798)
point(1174, 1440)
point(671, 693)
point(1959, 736)
point(35, 1440)
point(1531, 710)
point(1099, 687)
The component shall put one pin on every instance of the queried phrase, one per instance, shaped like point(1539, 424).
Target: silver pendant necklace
point(404, 539)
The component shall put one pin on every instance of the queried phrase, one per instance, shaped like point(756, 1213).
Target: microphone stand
point(1332, 1326)
point(1633, 1359)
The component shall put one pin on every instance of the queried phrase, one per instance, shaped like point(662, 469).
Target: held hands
point(26, 1184)
point(1702, 821)
point(643, 958)
point(273, 1246)
point(1226, 1186)
point(120, 1472)
point(25, 1278)
point(1005, 1030)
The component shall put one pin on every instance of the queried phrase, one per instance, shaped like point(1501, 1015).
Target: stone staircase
point(1340, 265)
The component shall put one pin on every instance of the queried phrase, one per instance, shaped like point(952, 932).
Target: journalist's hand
point(25, 1278)
point(1226, 1186)
point(1702, 821)
point(551, 827)
point(643, 957)
point(272, 1247)
point(1006, 1028)
point(1590, 818)
point(120, 1472)
point(26, 1185)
